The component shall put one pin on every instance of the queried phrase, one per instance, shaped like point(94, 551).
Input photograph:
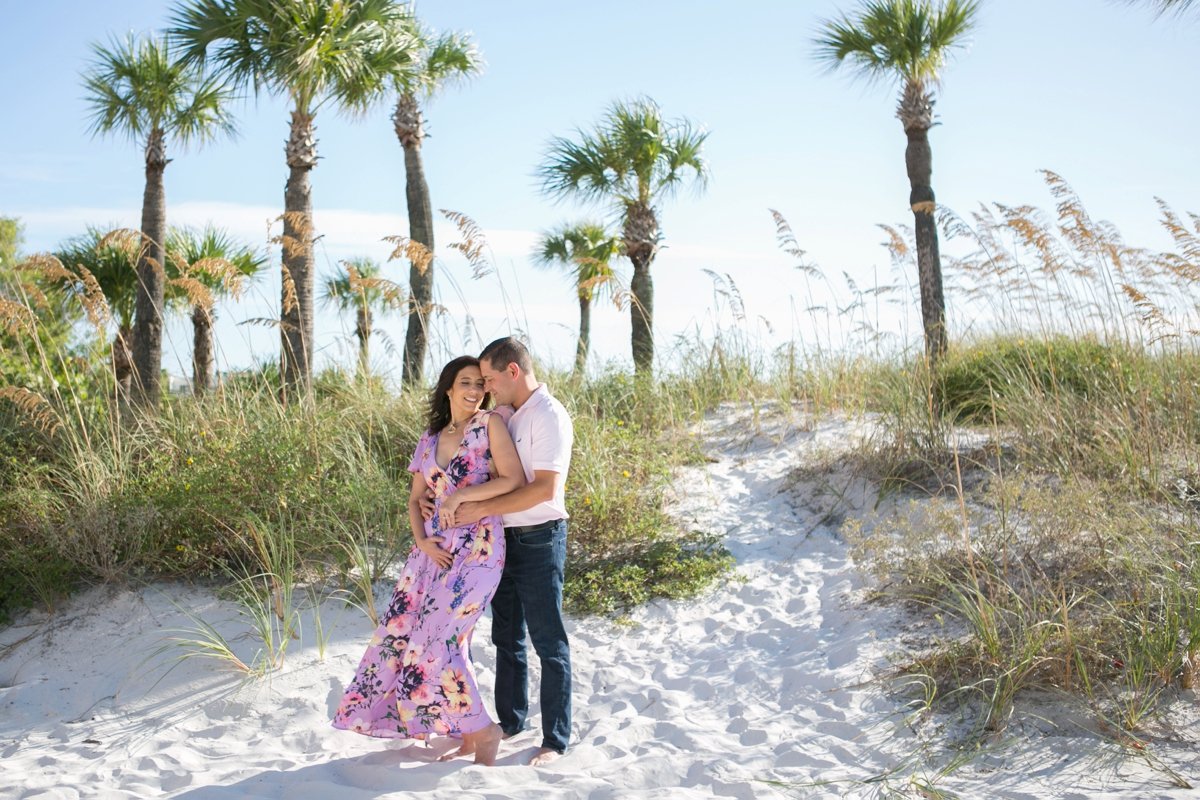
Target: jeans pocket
point(536, 538)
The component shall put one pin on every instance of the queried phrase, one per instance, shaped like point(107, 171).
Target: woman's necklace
point(453, 426)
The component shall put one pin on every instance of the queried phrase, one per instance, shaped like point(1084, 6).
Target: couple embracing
point(489, 520)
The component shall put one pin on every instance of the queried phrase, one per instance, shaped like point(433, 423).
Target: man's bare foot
point(487, 744)
point(544, 756)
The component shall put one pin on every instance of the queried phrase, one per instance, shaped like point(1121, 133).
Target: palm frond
point(585, 250)
point(105, 266)
point(213, 258)
point(135, 86)
point(451, 58)
point(1166, 7)
point(359, 285)
point(905, 39)
point(635, 156)
point(578, 168)
point(312, 52)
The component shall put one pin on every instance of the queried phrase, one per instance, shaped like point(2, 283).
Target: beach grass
point(318, 492)
point(1038, 492)
point(1038, 500)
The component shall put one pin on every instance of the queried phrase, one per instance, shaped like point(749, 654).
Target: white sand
point(767, 687)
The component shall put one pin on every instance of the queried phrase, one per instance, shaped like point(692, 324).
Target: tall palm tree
point(111, 259)
point(315, 52)
point(585, 250)
point(139, 89)
point(358, 287)
point(203, 266)
point(436, 61)
point(908, 41)
point(632, 161)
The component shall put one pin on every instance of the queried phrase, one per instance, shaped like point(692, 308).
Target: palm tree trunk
point(148, 315)
point(641, 286)
point(916, 113)
point(202, 350)
point(585, 332)
point(363, 331)
point(409, 127)
point(122, 358)
point(641, 236)
point(296, 319)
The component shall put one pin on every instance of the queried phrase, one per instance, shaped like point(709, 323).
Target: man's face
point(500, 382)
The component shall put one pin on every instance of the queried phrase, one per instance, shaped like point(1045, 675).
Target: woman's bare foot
point(544, 756)
point(487, 744)
point(465, 749)
point(483, 743)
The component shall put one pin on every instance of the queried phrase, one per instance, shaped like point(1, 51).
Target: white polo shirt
point(542, 431)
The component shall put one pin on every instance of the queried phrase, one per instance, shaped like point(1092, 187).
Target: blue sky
point(1096, 90)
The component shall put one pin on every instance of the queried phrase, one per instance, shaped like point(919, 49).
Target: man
point(535, 532)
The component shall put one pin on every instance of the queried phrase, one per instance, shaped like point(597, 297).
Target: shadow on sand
point(412, 768)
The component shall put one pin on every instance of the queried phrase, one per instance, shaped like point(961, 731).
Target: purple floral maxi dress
point(416, 677)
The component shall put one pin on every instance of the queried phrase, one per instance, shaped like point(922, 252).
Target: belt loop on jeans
point(541, 526)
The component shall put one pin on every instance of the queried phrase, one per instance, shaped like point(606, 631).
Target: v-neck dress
point(416, 677)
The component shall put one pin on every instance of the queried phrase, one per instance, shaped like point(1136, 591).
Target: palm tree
point(435, 62)
point(50, 313)
point(137, 88)
point(203, 266)
point(316, 53)
point(359, 287)
point(909, 41)
point(110, 260)
point(632, 161)
point(585, 250)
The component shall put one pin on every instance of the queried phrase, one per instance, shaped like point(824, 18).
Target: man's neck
point(526, 392)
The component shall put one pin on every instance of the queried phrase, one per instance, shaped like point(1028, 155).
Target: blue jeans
point(530, 594)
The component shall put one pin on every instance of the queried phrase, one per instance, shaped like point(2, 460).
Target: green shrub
point(981, 382)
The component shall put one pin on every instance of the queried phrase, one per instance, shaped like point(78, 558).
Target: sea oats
point(414, 251)
point(34, 406)
point(473, 244)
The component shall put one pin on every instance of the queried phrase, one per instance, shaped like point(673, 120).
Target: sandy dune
point(766, 687)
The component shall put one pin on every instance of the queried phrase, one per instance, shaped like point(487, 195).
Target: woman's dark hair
point(439, 402)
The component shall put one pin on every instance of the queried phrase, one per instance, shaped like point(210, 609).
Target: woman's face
point(466, 393)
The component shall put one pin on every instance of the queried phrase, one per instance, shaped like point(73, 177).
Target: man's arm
point(540, 490)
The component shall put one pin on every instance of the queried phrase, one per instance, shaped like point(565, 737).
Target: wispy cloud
point(25, 168)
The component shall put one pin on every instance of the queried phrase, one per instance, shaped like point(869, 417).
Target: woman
point(416, 679)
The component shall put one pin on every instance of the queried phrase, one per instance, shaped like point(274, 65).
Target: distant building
point(177, 384)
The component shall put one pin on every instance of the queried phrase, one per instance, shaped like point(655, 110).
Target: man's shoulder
point(553, 406)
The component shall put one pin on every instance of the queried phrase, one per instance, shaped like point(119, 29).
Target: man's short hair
point(502, 352)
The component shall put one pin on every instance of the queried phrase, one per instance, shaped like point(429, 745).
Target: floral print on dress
point(416, 678)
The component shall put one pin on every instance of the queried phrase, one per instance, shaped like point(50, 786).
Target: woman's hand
point(425, 500)
point(431, 546)
point(446, 512)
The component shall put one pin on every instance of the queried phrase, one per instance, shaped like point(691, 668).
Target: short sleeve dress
point(416, 677)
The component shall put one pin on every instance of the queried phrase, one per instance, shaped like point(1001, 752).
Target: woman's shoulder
point(495, 416)
point(504, 413)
